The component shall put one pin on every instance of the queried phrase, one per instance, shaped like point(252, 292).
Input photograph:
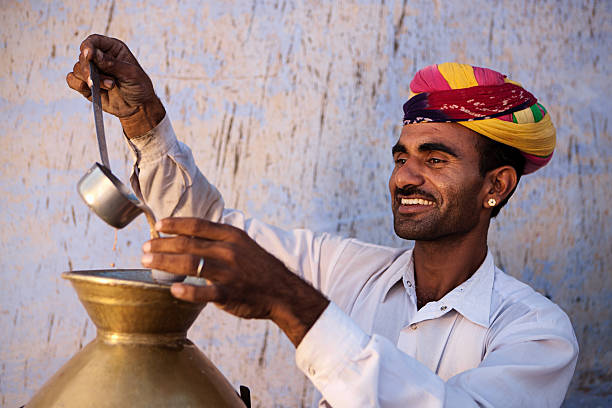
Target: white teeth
point(415, 201)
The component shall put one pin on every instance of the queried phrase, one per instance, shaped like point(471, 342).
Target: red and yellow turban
point(488, 103)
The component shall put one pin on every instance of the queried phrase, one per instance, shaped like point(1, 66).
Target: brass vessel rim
point(95, 276)
point(114, 337)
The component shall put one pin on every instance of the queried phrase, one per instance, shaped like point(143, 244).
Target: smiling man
point(437, 193)
point(436, 325)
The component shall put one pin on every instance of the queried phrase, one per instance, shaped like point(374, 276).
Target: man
point(436, 325)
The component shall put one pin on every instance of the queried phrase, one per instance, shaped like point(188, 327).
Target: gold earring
point(492, 202)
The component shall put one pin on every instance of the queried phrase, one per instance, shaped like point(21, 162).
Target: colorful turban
point(488, 103)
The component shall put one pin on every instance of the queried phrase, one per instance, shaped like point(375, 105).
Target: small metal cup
point(112, 201)
point(106, 195)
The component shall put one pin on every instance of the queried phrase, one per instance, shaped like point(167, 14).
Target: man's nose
point(409, 174)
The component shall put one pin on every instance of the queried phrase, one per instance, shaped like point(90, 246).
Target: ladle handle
point(97, 110)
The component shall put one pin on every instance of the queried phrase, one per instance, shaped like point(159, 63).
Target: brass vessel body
point(141, 356)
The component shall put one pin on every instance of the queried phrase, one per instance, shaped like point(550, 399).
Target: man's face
point(436, 187)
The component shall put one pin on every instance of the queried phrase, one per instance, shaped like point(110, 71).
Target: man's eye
point(400, 161)
point(435, 160)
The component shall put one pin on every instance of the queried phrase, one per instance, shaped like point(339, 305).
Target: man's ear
point(501, 182)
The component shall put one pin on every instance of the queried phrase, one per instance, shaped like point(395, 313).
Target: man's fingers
point(185, 245)
point(105, 58)
point(81, 86)
point(197, 227)
point(81, 68)
point(181, 264)
point(80, 72)
point(106, 82)
point(175, 245)
point(100, 42)
point(116, 68)
point(78, 85)
point(197, 294)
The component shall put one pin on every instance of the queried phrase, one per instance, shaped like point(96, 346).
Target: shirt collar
point(400, 267)
point(472, 298)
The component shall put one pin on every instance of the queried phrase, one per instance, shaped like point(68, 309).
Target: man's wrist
point(144, 119)
point(297, 312)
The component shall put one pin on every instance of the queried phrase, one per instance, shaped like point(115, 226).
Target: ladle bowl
point(112, 201)
point(108, 197)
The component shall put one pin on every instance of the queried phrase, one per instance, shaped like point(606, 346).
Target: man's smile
point(413, 204)
point(415, 201)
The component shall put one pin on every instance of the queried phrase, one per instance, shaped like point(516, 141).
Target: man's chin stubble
point(419, 232)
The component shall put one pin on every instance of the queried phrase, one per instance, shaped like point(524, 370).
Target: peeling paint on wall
point(291, 108)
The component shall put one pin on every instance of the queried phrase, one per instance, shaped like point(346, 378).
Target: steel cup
point(106, 195)
point(112, 201)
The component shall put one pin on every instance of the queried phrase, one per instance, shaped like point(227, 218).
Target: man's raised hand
point(245, 280)
point(126, 90)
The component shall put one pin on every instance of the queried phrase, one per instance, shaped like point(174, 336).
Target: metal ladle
point(104, 193)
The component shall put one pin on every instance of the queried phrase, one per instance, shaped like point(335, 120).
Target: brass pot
point(141, 356)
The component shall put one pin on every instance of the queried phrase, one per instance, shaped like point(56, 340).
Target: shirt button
point(311, 371)
point(442, 308)
point(409, 284)
point(413, 326)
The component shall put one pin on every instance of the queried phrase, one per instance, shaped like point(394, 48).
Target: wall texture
point(291, 109)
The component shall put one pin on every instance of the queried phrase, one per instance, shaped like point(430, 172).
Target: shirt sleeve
point(167, 179)
point(531, 367)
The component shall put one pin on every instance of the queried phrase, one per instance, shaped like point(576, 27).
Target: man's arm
point(243, 278)
point(167, 179)
point(164, 172)
point(529, 362)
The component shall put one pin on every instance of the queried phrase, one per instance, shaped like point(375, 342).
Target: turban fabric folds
point(488, 103)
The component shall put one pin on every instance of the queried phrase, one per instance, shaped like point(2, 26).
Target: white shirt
point(492, 341)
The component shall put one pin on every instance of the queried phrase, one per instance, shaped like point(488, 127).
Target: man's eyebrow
point(398, 148)
point(439, 147)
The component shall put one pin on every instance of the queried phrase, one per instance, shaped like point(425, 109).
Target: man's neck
point(442, 265)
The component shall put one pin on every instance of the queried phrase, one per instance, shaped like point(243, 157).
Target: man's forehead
point(449, 133)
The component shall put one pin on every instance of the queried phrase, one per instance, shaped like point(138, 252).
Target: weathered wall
point(291, 108)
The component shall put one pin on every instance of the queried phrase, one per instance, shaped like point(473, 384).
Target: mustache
point(414, 191)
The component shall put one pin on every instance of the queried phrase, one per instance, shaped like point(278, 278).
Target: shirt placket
point(426, 334)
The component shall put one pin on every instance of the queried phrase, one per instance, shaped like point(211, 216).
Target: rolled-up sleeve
point(167, 179)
